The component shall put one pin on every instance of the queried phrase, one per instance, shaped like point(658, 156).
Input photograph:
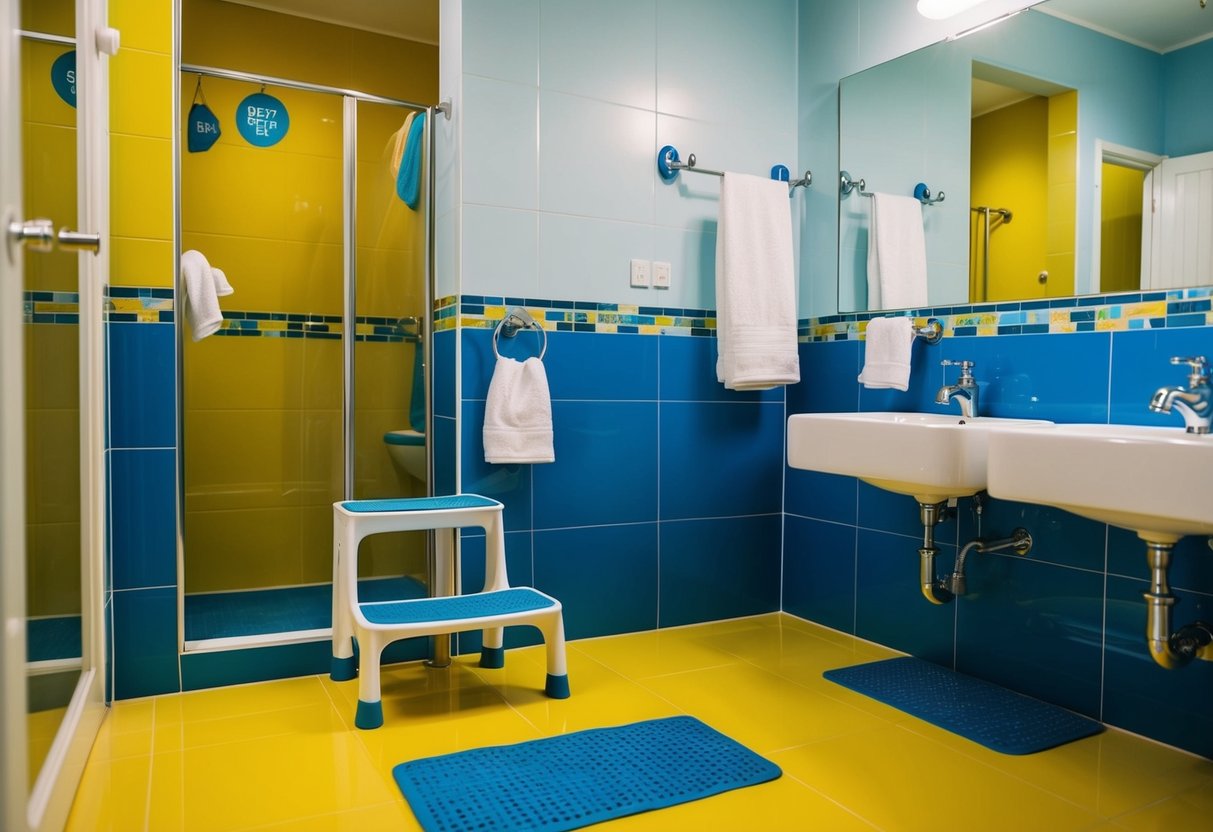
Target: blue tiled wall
point(1065, 623)
point(662, 507)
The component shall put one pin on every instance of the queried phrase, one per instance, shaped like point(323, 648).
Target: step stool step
point(476, 605)
point(420, 503)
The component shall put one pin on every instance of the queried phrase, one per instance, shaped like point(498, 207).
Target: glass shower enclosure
point(312, 389)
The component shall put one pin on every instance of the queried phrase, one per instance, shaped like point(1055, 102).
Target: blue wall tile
point(890, 608)
point(443, 370)
point(583, 365)
point(828, 373)
point(1142, 363)
point(142, 386)
point(714, 569)
point(688, 373)
point(143, 519)
point(721, 459)
point(819, 572)
point(605, 469)
point(824, 496)
point(605, 577)
point(510, 484)
point(145, 642)
point(259, 664)
point(1057, 535)
point(899, 514)
point(444, 455)
point(1191, 563)
point(1139, 696)
point(1034, 628)
point(1062, 379)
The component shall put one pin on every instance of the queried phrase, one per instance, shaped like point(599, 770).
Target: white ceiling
point(409, 19)
point(1161, 25)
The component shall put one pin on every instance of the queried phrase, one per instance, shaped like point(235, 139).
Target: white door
point(13, 775)
point(1182, 250)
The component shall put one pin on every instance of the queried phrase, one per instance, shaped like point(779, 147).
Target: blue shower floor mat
point(999, 719)
point(574, 780)
point(281, 610)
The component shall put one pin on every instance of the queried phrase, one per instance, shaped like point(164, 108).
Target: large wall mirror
point(1073, 144)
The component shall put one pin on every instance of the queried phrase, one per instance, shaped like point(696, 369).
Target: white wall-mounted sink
point(930, 456)
point(1155, 481)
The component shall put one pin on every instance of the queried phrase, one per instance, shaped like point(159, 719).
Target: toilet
point(407, 449)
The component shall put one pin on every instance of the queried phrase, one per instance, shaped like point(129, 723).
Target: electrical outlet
point(640, 273)
point(661, 275)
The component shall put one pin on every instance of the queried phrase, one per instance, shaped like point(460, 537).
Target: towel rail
point(931, 332)
point(669, 163)
point(517, 318)
point(848, 183)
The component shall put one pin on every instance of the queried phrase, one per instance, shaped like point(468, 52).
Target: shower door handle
point(78, 241)
point(38, 234)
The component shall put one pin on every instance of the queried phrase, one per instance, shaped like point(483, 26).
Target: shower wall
point(263, 451)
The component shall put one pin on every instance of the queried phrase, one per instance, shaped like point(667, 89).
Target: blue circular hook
point(665, 156)
point(780, 173)
point(921, 192)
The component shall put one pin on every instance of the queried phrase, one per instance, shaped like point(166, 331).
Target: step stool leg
point(557, 684)
point(344, 665)
point(370, 704)
point(492, 653)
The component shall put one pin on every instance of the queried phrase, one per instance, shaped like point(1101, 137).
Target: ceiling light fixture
point(943, 9)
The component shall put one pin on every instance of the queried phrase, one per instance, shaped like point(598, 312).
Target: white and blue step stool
point(375, 625)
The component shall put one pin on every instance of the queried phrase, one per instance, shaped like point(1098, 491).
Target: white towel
point(897, 254)
point(886, 353)
point(203, 286)
point(518, 413)
point(755, 285)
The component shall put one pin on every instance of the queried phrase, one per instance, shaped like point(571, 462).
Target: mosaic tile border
point(1169, 309)
point(485, 311)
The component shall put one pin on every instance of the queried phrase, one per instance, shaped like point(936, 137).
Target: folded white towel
point(518, 413)
point(203, 285)
point(897, 254)
point(886, 353)
point(755, 285)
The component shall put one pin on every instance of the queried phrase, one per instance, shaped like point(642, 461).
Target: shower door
point(312, 390)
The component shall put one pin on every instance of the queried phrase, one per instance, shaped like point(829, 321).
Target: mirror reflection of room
point(1082, 155)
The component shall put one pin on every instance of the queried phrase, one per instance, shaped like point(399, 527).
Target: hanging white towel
point(518, 413)
point(897, 254)
point(203, 286)
point(755, 285)
point(886, 353)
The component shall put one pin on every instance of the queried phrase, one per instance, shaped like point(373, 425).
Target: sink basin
point(1155, 481)
point(930, 456)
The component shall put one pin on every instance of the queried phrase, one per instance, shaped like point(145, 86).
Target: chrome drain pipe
point(1020, 540)
point(931, 514)
point(1170, 650)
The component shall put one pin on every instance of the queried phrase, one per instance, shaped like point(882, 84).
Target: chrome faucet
point(1195, 404)
point(964, 390)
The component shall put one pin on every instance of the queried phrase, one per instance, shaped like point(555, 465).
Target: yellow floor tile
point(760, 709)
point(285, 755)
point(897, 779)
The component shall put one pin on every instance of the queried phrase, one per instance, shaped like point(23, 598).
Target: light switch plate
point(661, 275)
point(640, 273)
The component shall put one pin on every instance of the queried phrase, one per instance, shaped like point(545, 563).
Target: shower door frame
point(350, 99)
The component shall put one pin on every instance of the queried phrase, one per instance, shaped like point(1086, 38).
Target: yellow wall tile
point(141, 188)
point(50, 173)
point(395, 68)
point(52, 367)
point(140, 262)
point(236, 458)
point(243, 548)
point(55, 17)
point(144, 25)
point(53, 567)
point(39, 100)
point(141, 94)
point(244, 374)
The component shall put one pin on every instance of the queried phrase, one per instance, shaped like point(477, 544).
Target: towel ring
point(514, 320)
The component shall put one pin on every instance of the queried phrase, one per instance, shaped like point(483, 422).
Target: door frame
point(1128, 157)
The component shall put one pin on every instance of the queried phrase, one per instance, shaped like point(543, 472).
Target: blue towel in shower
point(408, 180)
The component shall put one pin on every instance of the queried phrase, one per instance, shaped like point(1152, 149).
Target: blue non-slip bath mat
point(985, 713)
point(574, 780)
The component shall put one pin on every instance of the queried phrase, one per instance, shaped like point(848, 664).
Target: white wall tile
point(595, 159)
point(606, 51)
point(589, 259)
point(499, 252)
point(500, 146)
point(501, 39)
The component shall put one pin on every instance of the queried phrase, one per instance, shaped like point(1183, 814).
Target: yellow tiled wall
point(51, 350)
point(1062, 193)
point(263, 452)
point(1010, 162)
point(1120, 229)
